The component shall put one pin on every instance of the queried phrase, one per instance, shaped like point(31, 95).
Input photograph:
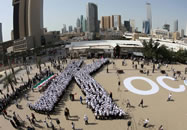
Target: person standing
point(52, 125)
point(48, 116)
point(169, 97)
point(81, 99)
point(28, 118)
point(46, 123)
point(33, 116)
point(145, 124)
point(147, 72)
point(85, 119)
point(66, 113)
point(73, 126)
point(128, 103)
point(58, 123)
point(141, 103)
point(129, 124)
point(161, 127)
point(13, 124)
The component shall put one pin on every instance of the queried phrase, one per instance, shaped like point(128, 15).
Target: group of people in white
point(56, 89)
point(96, 97)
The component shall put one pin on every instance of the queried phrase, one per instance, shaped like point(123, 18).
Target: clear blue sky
point(59, 12)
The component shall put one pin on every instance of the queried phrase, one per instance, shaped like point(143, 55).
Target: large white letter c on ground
point(130, 87)
point(164, 85)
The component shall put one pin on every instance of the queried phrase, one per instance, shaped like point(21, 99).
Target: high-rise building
point(127, 26)
point(1, 35)
point(115, 22)
point(186, 30)
point(78, 23)
point(149, 14)
point(175, 26)
point(105, 22)
point(84, 29)
point(82, 20)
point(146, 27)
point(64, 30)
point(70, 28)
point(132, 25)
point(166, 27)
point(92, 18)
point(28, 20)
point(182, 33)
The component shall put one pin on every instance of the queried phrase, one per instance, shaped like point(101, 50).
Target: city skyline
point(55, 16)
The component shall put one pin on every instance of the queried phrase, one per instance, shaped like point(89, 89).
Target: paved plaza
point(171, 114)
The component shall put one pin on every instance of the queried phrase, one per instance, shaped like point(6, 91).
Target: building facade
point(166, 27)
point(92, 18)
point(1, 34)
point(132, 24)
point(115, 22)
point(84, 29)
point(146, 27)
point(176, 36)
point(182, 33)
point(81, 22)
point(149, 14)
point(160, 33)
point(28, 20)
point(105, 22)
point(78, 23)
point(175, 29)
point(127, 26)
point(70, 29)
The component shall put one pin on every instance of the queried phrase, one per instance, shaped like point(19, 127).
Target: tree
point(9, 81)
point(150, 49)
point(117, 51)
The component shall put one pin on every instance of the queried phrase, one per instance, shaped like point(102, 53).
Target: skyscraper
point(28, 19)
point(92, 18)
point(1, 35)
point(105, 22)
point(84, 29)
point(166, 27)
point(186, 30)
point(115, 22)
point(81, 20)
point(127, 26)
point(146, 27)
point(78, 23)
point(149, 14)
point(132, 25)
point(70, 29)
point(175, 26)
point(64, 30)
point(182, 33)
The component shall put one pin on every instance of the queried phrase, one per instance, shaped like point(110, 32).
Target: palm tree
point(150, 49)
point(9, 81)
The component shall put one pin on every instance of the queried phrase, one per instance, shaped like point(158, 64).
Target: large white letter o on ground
point(164, 85)
point(154, 87)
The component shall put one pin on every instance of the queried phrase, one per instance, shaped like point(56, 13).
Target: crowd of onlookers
point(22, 90)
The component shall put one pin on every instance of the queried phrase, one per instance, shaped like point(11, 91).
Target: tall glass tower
point(92, 18)
point(175, 26)
point(1, 35)
point(149, 14)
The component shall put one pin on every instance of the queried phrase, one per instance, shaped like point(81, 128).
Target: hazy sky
point(59, 12)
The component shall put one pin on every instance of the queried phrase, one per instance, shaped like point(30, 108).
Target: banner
point(45, 81)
